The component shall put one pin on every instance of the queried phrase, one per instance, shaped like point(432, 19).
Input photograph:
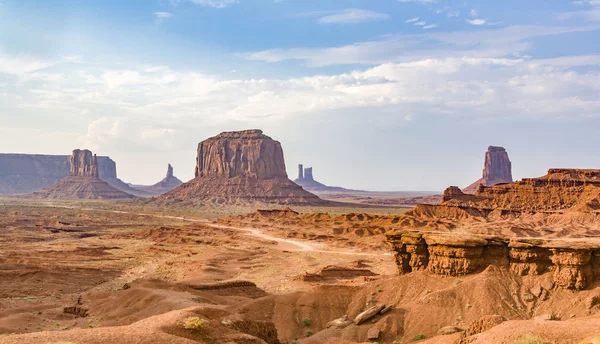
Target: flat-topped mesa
point(497, 169)
point(84, 164)
point(242, 153)
point(83, 181)
point(241, 168)
point(573, 263)
point(452, 192)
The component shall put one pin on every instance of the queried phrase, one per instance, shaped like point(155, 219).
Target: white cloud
point(420, 1)
point(398, 48)
point(589, 15)
point(431, 26)
point(412, 20)
point(163, 15)
point(420, 23)
point(352, 16)
point(473, 13)
point(209, 3)
point(453, 14)
point(476, 21)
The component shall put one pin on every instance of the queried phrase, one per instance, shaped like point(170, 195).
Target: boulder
point(368, 314)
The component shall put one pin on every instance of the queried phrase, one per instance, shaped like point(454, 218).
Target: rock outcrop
point(169, 183)
point(248, 153)
point(574, 263)
point(532, 227)
point(27, 173)
point(84, 164)
point(497, 169)
point(83, 181)
point(239, 168)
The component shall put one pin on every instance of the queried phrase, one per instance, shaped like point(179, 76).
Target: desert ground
point(109, 272)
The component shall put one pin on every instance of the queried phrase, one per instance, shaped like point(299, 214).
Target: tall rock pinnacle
point(497, 169)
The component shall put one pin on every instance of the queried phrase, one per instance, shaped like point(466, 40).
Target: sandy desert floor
point(97, 272)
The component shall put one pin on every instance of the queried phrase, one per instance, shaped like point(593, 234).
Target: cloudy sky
point(379, 95)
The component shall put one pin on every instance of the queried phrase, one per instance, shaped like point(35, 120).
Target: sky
point(376, 95)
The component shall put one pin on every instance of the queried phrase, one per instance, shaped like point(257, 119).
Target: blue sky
point(381, 95)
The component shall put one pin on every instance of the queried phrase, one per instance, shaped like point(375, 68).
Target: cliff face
point(532, 227)
point(497, 169)
point(84, 164)
point(573, 263)
point(26, 173)
point(241, 153)
point(239, 168)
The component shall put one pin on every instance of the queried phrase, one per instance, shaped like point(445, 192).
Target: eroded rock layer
point(575, 263)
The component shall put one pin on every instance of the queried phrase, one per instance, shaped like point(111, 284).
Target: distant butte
point(169, 183)
point(83, 181)
point(238, 168)
point(307, 182)
point(497, 170)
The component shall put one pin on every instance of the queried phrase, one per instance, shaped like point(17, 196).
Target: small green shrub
point(195, 324)
point(595, 301)
point(306, 322)
point(295, 341)
point(530, 340)
point(419, 337)
point(309, 333)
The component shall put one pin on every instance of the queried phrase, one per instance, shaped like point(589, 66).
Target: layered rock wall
point(243, 153)
point(26, 173)
point(574, 263)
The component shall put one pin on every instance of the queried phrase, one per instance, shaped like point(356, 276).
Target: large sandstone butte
point(169, 183)
point(497, 169)
point(240, 167)
point(533, 226)
point(83, 181)
point(27, 173)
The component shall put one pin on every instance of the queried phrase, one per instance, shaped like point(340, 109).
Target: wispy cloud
point(420, 23)
point(589, 15)
point(476, 21)
point(209, 3)
point(473, 13)
point(352, 16)
point(453, 14)
point(412, 20)
point(163, 15)
point(401, 47)
point(431, 26)
point(420, 1)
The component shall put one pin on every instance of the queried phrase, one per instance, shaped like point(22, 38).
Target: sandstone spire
point(497, 169)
